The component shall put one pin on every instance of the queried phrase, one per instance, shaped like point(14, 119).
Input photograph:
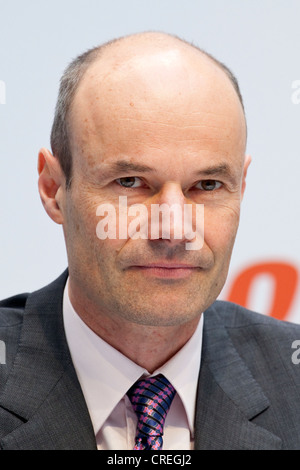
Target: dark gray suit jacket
point(248, 392)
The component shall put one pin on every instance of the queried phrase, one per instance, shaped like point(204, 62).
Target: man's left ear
point(51, 184)
point(247, 162)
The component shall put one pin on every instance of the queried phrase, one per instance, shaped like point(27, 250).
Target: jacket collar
point(228, 395)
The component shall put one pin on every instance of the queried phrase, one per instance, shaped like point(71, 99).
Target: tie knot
point(151, 399)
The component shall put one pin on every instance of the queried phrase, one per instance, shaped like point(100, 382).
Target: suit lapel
point(42, 390)
point(228, 396)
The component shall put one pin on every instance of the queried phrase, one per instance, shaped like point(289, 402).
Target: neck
point(148, 346)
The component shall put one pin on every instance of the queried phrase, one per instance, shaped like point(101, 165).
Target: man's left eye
point(129, 182)
point(208, 185)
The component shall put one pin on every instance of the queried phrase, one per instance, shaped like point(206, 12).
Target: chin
point(161, 317)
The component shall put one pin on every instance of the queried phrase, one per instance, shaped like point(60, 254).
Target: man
point(151, 120)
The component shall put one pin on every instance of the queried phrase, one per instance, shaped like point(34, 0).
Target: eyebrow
point(124, 166)
point(218, 170)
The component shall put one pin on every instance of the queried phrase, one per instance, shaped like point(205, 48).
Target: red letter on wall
point(285, 279)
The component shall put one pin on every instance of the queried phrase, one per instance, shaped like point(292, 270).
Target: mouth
point(166, 270)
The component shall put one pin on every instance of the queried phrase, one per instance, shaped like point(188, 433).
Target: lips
point(166, 270)
point(168, 266)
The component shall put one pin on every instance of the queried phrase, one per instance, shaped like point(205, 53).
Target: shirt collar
point(105, 374)
point(182, 370)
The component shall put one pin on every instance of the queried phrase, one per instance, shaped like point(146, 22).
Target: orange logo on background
point(285, 278)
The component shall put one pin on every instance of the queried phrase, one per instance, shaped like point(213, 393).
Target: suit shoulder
point(263, 342)
point(12, 309)
point(232, 315)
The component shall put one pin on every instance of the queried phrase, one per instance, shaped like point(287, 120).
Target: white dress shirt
point(105, 375)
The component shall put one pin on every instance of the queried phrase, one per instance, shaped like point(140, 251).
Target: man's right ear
point(51, 184)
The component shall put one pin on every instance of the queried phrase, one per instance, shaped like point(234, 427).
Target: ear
point(51, 184)
point(246, 166)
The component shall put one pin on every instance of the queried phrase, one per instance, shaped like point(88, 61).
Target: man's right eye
point(129, 182)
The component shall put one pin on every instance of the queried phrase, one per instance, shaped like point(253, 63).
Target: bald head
point(154, 67)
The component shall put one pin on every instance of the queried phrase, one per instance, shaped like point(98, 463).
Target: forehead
point(154, 91)
point(157, 72)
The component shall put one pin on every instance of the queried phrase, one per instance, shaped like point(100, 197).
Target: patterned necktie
point(151, 399)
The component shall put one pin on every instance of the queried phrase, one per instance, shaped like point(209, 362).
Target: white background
point(258, 39)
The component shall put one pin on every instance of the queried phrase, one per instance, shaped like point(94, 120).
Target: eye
point(208, 185)
point(129, 182)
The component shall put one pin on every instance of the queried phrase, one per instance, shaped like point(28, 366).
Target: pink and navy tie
point(151, 399)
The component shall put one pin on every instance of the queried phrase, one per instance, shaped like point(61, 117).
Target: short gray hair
point(72, 76)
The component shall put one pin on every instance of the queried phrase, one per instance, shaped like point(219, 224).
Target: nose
point(167, 214)
point(170, 193)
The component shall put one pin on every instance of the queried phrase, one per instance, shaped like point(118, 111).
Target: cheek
point(79, 228)
point(88, 234)
point(220, 228)
point(81, 212)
